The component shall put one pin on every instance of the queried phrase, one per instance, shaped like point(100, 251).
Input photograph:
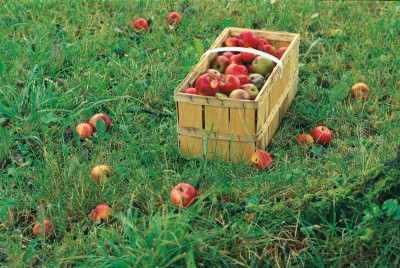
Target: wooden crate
point(233, 129)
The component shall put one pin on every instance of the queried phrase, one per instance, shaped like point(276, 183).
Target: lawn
point(64, 61)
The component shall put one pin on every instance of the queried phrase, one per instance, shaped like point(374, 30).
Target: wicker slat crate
point(233, 129)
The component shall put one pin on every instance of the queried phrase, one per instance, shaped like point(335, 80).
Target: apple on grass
point(322, 135)
point(263, 65)
point(190, 90)
point(360, 91)
point(184, 195)
point(261, 159)
point(280, 52)
point(251, 89)
point(101, 213)
point(219, 63)
point(174, 19)
point(38, 230)
point(228, 83)
point(305, 140)
point(231, 42)
point(100, 173)
point(93, 121)
point(214, 72)
point(248, 39)
point(140, 24)
point(237, 58)
point(207, 85)
point(239, 94)
point(84, 130)
point(236, 69)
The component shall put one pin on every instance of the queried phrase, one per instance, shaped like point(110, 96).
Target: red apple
point(280, 52)
point(261, 159)
point(248, 57)
point(251, 89)
point(305, 140)
point(190, 90)
point(250, 68)
point(100, 173)
point(174, 18)
point(231, 42)
point(140, 24)
point(244, 79)
point(207, 85)
point(269, 49)
point(214, 72)
point(228, 83)
point(47, 227)
point(184, 194)
point(262, 42)
point(101, 213)
point(322, 135)
point(239, 94)
point(84, 130)
point(237, 58)
point(93, 121)
point(228, 54)
point(219, 63)
point(360, 90)
point(248, 39)
point(236, 69)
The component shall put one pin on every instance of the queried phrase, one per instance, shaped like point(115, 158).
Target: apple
point(244, 79)
point(258, 82)
point(248, 57)
point(228, 54)
point(280, 52)
point(231, 42)
point(263, 65)
point(236, 69)
point(228, 83)
point(183, 194)
point(261, 159)
point(219, 63)
point(100, 173)
point(269, 49)
point(101, 213)
point(251, 89)
point(322, 135)
point(248, 39)
point(256, 75)
point(174, 19)
point(305, 140)
point(48, 227)
point(93, 121)
point(237, 58)
point(190, 90)
point(360, 91)
point(214, 72)
point(262, 42)
point(221, 95)
point(140, 24)
point(250, 68)
point(84, 130)
point(239, 94)
point(207, 85)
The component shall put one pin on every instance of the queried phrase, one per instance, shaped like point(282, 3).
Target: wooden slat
point(217, 120)
point(293, 90)
point(196, 132)
point(262, 112)
point(242, 121)
point(190, 146)
point(190, 115)
point(242, 151)
point(218, 148)
point(213, 101)
point(279, 44)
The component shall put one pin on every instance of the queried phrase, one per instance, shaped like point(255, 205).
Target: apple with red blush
point(174, 19)
point(93, 121)
point(140, 24)
point(280, 52)
point(360, 91)
point(38, 228)
point(269, 49)
point(236, 69)
point(237, 58)
point(214, 72)
point(322, 135)
point(219, 63)
point(183, 195)
point(239, 94)
point(84, 130)
point(207, 84)
point(262, 42)
point(244, 79)
point(231, 42)
point(248, 57)
point(261, 159)
point(101, 213)
point(305, 140)
point(228, 54)
point(247, 38)
point(251, 89)
point(190, 90)
point(228, 83)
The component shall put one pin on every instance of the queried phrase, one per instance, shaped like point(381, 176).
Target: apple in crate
point(244, 79)
point(322, 135)
point(251, 89)
point(249, 67)
point(93, 121)
point(305, 140)
point(140, 24)
point(280, 52)
point(183, 194)
point(261, 159)
point(228, 54)
point(231, 42)
point(101, 213)
point(263, 65)
point(269, 49)
point(214, 72)
point(228, 83)
point(207, 85)
point(221, 95)
point(236, 69)
point(38, 230)
point(248, 39)
point(239, 94)
point(84, 130)
point(174, 18)
point(248, 57)
point(262, 42)
point(237, 58)
point(360, 90)
point(190, 90)
point(219, 63)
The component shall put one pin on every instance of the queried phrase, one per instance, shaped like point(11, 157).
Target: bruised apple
point(261, 159)
point(239, 94)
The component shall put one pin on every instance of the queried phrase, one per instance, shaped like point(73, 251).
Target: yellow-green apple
point(174, 18)
point(244, 79)
point(207, 85)
point(269, 49)
point(228, 54)
point(261, 159)
point(251, 89)
point(221, 95)
point(360, 90)
point(239, 94)
point(219, 63)
point(305, 140)
point(228, 83)
point(322, 135)
point(263, 65)
point(48, 227)
point(214, 72)
point(84, 130)
point(190, 90)
point(101, 213)
point(100, 173)
point(93, 121)
point(280, 52)
point(140, 24)
point(236, 69)
point(248, 57)
point(262, 42)
point(231, 42)
point(248, 39)
point(256, 75)
point(183, 194)
point(237, 58)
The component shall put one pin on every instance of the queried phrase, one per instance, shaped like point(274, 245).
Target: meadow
point(63, 61)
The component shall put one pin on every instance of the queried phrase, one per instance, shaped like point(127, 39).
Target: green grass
point(62, 63)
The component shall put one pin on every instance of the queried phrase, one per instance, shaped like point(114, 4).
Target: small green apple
point(221, 95)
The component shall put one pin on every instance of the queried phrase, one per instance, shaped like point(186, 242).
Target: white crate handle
point(249, 50)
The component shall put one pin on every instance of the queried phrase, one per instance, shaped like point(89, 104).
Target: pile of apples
point(240, 75)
